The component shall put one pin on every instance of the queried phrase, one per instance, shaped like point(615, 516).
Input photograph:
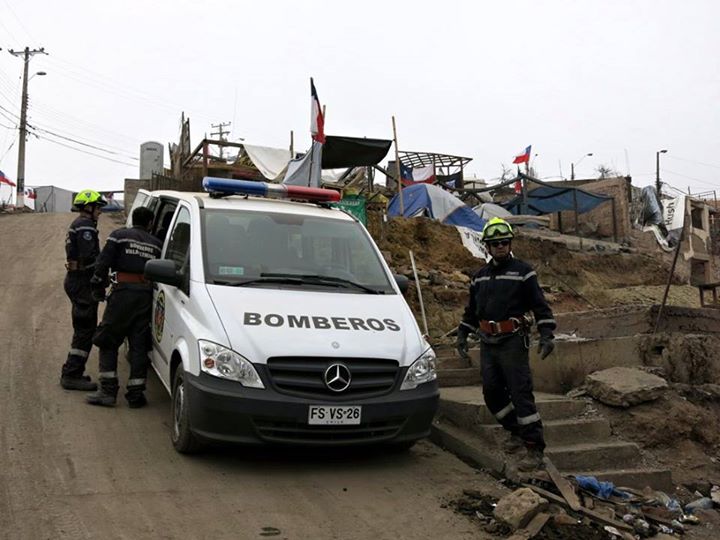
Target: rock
point(459, 277)
point(705, 503)
point(564, 519)
point(624, 387)
point(715, 495)
point(519, 507)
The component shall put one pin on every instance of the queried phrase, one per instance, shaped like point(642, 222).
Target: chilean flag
point(5, 180)
point(317, 122)
point(416, 175)
point(524, 157)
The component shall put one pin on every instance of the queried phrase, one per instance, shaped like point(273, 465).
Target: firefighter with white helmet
point(502, 294)
point(82, 248)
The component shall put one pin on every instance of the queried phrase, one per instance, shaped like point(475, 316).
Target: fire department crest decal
point(159, 316)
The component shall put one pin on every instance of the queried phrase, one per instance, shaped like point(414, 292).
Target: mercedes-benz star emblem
point(337, 377)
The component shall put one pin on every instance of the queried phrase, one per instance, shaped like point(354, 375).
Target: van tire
point(182, 437)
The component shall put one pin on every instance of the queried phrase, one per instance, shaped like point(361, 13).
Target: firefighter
point(129, 305)
point(502, 294)
point(81, 249)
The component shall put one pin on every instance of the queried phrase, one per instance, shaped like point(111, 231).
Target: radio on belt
point(225, 186)
point(281, 323)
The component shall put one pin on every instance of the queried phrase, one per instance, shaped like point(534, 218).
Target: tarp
point(548, 199)
point(490, 210)
point(436, 203)
point(344, 152)
point(305, 171)
point(271, 162)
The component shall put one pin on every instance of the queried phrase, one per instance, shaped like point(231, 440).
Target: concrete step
point(451, 362)
point(561, 432)
point(465, 406)
point(459, 377)
point(468, 446)
point(660, 479)
point(595, 456)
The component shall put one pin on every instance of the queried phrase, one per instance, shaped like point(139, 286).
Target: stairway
point(577, 443)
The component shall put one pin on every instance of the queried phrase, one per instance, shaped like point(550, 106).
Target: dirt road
point(68, 470)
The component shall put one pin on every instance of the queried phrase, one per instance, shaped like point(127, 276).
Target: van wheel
point(182, 438)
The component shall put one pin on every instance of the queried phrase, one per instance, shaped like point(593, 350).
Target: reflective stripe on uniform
point(511, 278)
point(108, 375)
point(469, 326)
point(502, 413)
point(529, 275)
point(138, 242)
point(85, 228)
point(546, 321)
point(525, 420)
point(79, 352)
point(136, 382)
point(477, 280)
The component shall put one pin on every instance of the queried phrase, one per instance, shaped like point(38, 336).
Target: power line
point(19, 21)
point(692, 161)
point(35, 128)
point(691, 177)
point(85, 152)
point(8, 148)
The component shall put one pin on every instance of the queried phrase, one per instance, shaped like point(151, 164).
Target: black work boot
point(135, 395)
point(83, 383)
point(513, 444)
point(533, 460)
point(106, 396)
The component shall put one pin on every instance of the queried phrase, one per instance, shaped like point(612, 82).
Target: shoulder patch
point(87, 235)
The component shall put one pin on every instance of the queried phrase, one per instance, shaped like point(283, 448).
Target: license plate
point(325, 415)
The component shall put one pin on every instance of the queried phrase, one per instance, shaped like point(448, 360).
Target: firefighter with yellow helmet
point(82, 248)
point(502, 294)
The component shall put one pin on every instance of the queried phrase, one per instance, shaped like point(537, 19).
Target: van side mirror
point(402, 282)
point(163, 271)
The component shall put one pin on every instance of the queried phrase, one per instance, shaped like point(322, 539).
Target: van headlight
point(219, 361)
point(421, 371)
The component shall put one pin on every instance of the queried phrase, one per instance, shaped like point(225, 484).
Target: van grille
point(296, 432)
point(304, 376)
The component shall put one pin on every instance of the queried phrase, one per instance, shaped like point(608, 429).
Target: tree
point(605, 171)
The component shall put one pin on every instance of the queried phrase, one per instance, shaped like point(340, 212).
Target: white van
point(276, 321)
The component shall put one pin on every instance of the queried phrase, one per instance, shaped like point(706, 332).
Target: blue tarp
point(548, 199)
point(436, 203)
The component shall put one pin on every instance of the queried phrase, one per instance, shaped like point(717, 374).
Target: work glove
point(97, 288)
point(545, 347)
point(461, 344)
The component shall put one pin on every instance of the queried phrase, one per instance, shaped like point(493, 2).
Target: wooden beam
point(565, 488)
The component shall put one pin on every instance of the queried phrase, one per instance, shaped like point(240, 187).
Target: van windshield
point(264, 249)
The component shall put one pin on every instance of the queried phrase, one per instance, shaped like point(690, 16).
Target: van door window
point(163, 218)
point(178, 247)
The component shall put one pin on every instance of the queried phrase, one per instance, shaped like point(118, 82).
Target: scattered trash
point(715, 494)
point(641, 527)
point(613, 531)
point(604, 490)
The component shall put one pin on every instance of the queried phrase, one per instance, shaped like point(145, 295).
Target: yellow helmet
point(497, 229)
point(88, 196)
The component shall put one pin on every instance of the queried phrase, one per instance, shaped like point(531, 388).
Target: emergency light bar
point(227, 186)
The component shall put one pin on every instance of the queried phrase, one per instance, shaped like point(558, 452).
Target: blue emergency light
point(228, 186)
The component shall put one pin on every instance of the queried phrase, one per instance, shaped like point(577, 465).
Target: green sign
point(355, 205)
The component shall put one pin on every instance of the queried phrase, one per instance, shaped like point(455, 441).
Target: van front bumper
point(225, 411)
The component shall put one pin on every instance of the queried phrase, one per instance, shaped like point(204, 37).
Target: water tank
point(151, 159)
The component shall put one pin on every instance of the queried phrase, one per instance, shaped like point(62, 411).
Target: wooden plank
point(536, 524)
point(620, 525)
point(563, 485)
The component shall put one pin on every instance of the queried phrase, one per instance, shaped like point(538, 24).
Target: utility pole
point(220, 133)
point(27, 54)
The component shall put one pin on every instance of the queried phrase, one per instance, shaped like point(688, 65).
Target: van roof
point(255, 204)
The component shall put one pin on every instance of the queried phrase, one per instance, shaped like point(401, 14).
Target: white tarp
point(271, 162)
point(673, 218)
point(472, 240)
point(490, 210)
point(306, 171)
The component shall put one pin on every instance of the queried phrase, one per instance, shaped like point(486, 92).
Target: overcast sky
point(621, 79)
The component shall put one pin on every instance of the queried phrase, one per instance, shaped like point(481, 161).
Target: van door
point(169, 302)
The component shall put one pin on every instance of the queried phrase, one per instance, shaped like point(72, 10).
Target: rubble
point(624, 387)
point(519, 507)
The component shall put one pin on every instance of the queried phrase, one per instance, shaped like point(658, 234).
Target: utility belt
point(77, 266)
point(129, 277)
point(509, 326)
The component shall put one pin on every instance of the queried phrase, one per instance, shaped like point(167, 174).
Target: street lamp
point(658, 184)
point(572, 165)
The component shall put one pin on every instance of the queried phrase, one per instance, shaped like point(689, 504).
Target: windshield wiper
point(263, 279)
point(326, 280)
